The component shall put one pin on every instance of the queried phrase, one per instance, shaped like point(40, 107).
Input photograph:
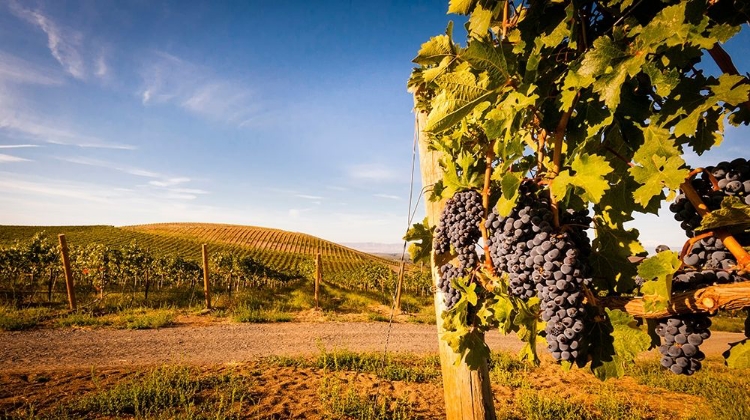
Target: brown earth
point(49, 367)
point(226, 343)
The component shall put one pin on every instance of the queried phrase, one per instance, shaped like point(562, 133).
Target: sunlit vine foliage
point(594, 101)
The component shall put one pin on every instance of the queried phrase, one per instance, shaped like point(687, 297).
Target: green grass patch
point(164, 392)
point(341, 402)
point(143, 318)
point(408, 368)
point(727, 391)
point(249, 314)
point(728, 323)
point(12, 319)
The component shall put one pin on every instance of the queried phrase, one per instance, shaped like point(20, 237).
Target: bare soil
point(193, 343)
point(49, 367)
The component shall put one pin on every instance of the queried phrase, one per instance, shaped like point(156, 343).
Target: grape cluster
point(540, 261)
point(733, 180)
point(682, 338)
point(448, 272)
point(560, 280)
point(708, 262)
point(511, 238)
point(458, 228)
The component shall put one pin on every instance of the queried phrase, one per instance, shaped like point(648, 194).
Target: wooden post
point(467, 392)
point(206, 289)
point(68, 272)
point(318, 278)
point(400, 285)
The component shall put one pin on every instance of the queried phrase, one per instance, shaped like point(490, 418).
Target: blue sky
point(291, 115)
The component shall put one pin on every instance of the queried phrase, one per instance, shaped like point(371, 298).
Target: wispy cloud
point(388, 196)
point(8, 158)
point(111, 165)
point(16, 70)
point(18, 146)
point(170, 79)
point(64, 43)
point(309, 197)
point(160, 182)
point(16, 121)
point(372, 172)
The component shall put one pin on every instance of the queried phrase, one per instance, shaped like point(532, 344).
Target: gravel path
point(225, 343)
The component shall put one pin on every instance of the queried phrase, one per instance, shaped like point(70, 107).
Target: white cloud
point(18, 146)
point(15, 120)
point(17, 70)
point(388, 196)
point(168, 182)
point(63, 43)
point(309, 197)
point(8, 158)
point(372, 172)
point(110, 165)
point(100, 67)
point(169, 79)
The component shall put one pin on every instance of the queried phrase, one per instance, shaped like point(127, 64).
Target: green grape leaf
point(738, 355)
point(421, 236)
point(461, 93)
point(479, 22)
point(504, 313)
point(623, 345)
point(604, 362)
point(434, 50)
point(658, 270)
point(733, 212)
point(629, 339)
point(731, 89)
point(484, 56)
point(659, 165)
point(590, 172)
point(463, 173)
point(611, 248)
point(460, 7)
point(510, 183)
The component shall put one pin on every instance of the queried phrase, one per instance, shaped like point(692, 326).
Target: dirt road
point(224, 343)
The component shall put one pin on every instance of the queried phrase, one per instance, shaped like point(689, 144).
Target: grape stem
point(557, 157)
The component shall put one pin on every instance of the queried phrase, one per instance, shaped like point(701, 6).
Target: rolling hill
point(274, 248)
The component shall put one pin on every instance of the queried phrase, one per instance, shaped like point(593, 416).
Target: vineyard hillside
point(274, 248)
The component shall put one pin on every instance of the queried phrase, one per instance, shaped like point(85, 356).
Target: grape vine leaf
point(460, 7)
point(420, 234)
point(658, 165)
point(738, 355)
point(590, 172)
point(484, 56)
point(627, 342)
point(733, 212)
point(461, 93)
point(479, 22)
point(509, 189)
point(437, 48)
point(658, 271)
point(462, 173)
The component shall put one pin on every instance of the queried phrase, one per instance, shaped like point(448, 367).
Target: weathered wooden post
point(68, 272)
point(468, 395)
point(318, 278)
point(400, 285)
point(206, 288)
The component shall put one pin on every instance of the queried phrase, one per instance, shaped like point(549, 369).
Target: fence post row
point(67, 271)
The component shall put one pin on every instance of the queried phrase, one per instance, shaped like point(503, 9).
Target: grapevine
point(557, 122)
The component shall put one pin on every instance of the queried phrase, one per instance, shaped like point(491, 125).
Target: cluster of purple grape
point(708, 262)
point(733, 180)
point(682, 338)
point(544, 263)
point(511, 238)
point(458, 228)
